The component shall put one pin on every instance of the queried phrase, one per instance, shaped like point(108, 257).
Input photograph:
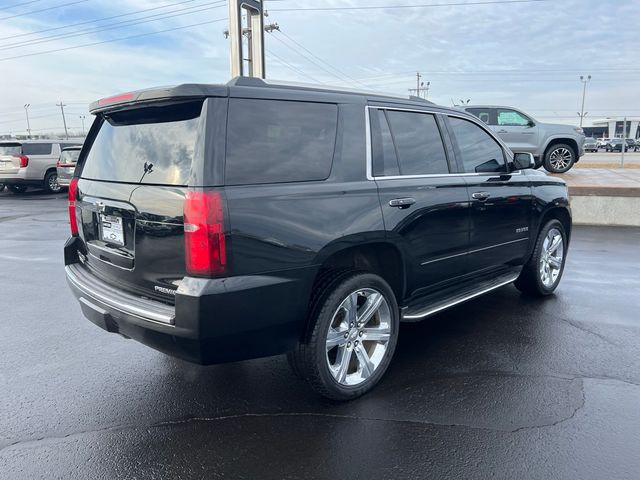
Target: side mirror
point(531, 124)
point(523, 160)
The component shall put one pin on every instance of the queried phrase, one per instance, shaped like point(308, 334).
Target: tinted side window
point(385, 160)
point(36, 149)
point(483, 114)
point(478, 151)
point(277, 141)
point(418, 143)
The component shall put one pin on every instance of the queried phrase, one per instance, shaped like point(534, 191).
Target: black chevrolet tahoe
point(224, 222)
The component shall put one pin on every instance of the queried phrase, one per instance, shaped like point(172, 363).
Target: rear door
point(425, 207)
point(501, 201)
point(42, 155)
point(131, 189)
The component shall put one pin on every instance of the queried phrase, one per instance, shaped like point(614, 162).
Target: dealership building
point(612, 128)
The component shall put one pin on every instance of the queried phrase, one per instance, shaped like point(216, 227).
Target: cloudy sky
point(525, 53)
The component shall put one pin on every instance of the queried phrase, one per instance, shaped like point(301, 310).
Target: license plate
point(111, 227)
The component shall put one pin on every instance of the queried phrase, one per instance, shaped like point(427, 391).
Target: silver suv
point(555, 146)
point(25, 163)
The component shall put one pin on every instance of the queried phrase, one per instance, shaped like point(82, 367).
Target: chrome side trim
point(431, 311)
point(141, 308)
point(369, 158)
point(475, 250)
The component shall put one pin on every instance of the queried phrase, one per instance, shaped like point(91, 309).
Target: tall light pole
point(82, 119)
point(584, 91)
point(26, 110)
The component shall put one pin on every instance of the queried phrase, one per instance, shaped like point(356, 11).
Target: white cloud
point(547, 44)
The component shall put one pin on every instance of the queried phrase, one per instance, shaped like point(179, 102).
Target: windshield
point(152, 145)
point(69, 156)
point(10, 149)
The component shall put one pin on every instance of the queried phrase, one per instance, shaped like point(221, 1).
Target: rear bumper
point(213, 320)
point(15, 180)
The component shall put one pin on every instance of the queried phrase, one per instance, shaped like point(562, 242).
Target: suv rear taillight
point(205, 246)
point(24, 161)
point(73, 222)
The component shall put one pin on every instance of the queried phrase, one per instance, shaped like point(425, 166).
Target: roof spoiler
point(187, 90)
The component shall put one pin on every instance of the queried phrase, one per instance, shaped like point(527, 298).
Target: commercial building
point(611, 127)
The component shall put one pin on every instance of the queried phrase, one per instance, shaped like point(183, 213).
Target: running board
point(427, 306)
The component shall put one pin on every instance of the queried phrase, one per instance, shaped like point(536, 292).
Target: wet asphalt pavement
point(503, 386)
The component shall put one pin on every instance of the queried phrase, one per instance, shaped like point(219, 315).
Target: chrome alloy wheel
point(560, 158)
point(358, 336)
point(551, 258)
point(53, 185)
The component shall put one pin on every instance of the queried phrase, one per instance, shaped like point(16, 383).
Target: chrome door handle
point(402, 202)
point(502, 131)
point(481, 196)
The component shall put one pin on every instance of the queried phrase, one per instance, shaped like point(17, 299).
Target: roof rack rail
point(413, 97)
point(247, 82)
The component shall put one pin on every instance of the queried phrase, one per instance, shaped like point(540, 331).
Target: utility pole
point(624, 141)
point(64, 120)
point(584, 81)
point(82, 119)
point(26, 110)
point(420, 86)
point(253, 9)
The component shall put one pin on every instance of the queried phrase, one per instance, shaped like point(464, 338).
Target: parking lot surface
point(610, 158)
point(503, 386)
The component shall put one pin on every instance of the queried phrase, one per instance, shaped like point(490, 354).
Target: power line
point(43, 9)
point(385, 7)
point(135, 12)
point(113, 40)
point(8, 7)
point(308, 59)
point(114, 26)
point(344, 75)
point(295, 69)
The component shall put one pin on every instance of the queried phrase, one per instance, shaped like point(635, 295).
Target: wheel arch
point(376, 255)
point(561, 213)
point(561, 140)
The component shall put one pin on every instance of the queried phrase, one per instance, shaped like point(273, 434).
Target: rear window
point(152, 145)
point(36, 148)
point(272, 141)
point(69, 156)
point(10, 149)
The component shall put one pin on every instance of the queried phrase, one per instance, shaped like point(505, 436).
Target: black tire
point(531, 279)
point(310, 358)
point(559, 158)
point(51, 184)
point(17, 189)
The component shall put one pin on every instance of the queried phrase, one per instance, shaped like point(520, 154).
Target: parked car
point(225, 222)
point(25, 163)
point(590, 144)
point(556, 147)
point(67, 164)
point(615, 145)
point(602, 142)
point(631, 144)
